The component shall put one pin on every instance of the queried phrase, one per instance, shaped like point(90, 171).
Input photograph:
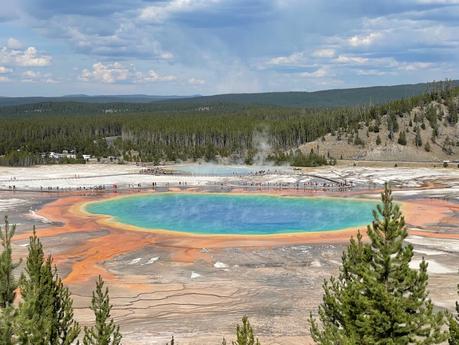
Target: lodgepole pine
point(377, 298)
point(8, 284)
point(244, 334)
point(45, 315)
point(7, 316)
point(105, 331)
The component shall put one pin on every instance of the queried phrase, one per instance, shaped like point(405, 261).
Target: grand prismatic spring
point(229, 214)
point(237, 240)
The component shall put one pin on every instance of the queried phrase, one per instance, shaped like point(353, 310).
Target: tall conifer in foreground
point(454, 325)
point(244, 334)
point(377, 298)
point(105, 331)
point(45, 315)
point(7, 316)
point(8, 284)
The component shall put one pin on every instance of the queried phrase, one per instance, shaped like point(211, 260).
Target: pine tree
point(454, 325)
point(8, 284)
point(65, 329)
point(402, 138)
point(45, 315)
point(7, 316)
point(104, 332)
point(244, 334)
point(377, 298)
point(427, 147)
point(34, 322)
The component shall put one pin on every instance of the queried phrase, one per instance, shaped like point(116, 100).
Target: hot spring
point(234, 214)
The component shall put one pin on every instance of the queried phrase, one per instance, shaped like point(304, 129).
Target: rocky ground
point(343, 145)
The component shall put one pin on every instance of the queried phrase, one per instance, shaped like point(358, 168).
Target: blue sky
point(184, 47)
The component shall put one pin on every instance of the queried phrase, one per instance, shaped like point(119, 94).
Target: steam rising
point(260, 142)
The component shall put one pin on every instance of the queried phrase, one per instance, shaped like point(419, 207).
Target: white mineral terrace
point(71, 177)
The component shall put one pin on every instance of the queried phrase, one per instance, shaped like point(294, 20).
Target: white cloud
point(194, 81)
point(4, 70)
point(414, 66)
point(119, 37)
point(324, 53)
point(364, 40)
point(319, 73)
point(161, 11)
point(153, 76)
point(117, 72)
point(286, 60)
point(27, 58)
point(289, 60)
point(30, 76)
point(30, 58)
point(371, 72)
point(13, 43)
point(348, 59)
point(166, 55)
point(109, 73)
point(375, 64)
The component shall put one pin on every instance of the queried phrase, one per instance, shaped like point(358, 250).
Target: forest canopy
point(181, 131)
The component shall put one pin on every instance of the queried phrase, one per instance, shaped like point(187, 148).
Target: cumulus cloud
point(414, 66)
point(118, 73)
point(324, 53)
point(234, 45)
point(161, 11)
point(106, 73)
point(28, 57)
point(348, 59)
point(195, 81)
point(166, 55)
point(371, 72)
point(364, 40)
point(4, 70)
point(292, 59)
point(30, 76)
point(153, 76)
point(13, 43)
point(319, 73)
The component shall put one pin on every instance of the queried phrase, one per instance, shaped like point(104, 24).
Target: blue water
point(235, 214)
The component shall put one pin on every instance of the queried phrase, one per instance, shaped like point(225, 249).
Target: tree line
point(181, 131)
point(375, 299)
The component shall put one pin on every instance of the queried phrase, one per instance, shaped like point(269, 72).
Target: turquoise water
point(235, 214)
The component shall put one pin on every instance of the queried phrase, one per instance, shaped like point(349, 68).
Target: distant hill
point(14, 101)
point(325, 98)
